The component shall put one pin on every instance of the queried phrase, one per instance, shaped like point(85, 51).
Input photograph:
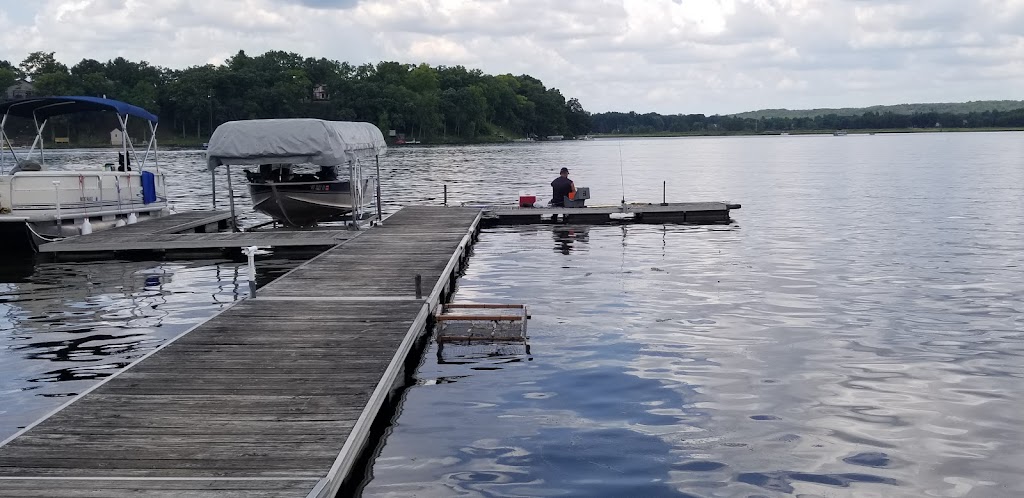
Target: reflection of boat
point(40, 204)
point(839, 133)
point(284, 148)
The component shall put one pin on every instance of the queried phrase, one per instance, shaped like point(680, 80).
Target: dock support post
point(419, 286)
point(56, 192)
point(231, 202)
point(663, 201)
point(446, 195)
point(380, 215)
point(353, 190)
point(213, 187)
point(250, 252)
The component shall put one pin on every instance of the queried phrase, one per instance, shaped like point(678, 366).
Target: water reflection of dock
point(274, 396)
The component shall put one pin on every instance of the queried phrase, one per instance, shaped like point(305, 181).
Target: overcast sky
point(666, 56)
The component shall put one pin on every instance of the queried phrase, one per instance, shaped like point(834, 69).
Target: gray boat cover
point(296, 141)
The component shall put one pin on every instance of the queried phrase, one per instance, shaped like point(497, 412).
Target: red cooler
point(527, 201)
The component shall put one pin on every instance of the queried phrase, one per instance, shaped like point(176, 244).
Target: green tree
point(8, 74)
point(421, 100)
point(577, 118)
point(41, 63)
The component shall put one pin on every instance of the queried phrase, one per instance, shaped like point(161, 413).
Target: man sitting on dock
point(561, 188)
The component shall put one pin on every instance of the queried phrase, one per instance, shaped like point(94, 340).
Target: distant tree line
point(449, 103)
point(653, 123)
point(977, 106)
point(442, 103)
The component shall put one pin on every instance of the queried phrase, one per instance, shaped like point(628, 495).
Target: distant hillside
point(951, 108)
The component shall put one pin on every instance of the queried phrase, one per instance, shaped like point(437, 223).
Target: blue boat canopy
point(45, 107)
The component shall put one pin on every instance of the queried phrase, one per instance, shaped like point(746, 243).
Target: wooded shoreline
point(421, 103)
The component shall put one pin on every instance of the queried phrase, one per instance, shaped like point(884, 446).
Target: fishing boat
point(303, 171)
point(42, 201)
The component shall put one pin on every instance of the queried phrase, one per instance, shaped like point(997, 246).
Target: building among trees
point(19, 90)
point(320, 92)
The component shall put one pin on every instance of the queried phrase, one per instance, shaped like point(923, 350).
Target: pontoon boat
point(40, 202)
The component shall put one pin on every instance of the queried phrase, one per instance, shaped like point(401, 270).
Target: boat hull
point(303, 204)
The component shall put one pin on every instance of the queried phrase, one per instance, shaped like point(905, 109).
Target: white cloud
point(668, 56)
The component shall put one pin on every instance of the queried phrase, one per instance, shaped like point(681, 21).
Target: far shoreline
point(879, 131)
point(192, 144)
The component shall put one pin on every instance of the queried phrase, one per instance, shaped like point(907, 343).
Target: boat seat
point(27, 165)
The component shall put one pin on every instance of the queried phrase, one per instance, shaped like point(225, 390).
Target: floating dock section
point(676, 212)
point(194, 231)
point(274, 396)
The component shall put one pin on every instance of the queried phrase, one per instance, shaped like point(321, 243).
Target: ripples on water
point(669, 360)
point(64, 326)
point(857, 331)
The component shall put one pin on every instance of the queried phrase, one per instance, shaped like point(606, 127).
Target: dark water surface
point(856, 332)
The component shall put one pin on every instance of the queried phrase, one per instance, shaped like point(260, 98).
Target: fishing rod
point(622, 176)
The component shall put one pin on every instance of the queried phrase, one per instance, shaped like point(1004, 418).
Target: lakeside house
point(21, 89)
point(320, 92)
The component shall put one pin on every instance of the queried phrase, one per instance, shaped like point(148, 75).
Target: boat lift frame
point(356, 193)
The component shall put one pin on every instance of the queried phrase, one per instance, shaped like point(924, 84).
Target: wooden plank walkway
point(121, 242)
point(679, 212)
point(148, 232)
point(172, 223)
point(272, 397)
point(191, 231)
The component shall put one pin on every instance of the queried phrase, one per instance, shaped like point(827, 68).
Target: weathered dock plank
point(272, 397)
point(172, 223)
point(187, 488)
point(114, 242)
point(161, 228)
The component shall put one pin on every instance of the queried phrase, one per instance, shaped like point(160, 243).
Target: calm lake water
point(856, 332)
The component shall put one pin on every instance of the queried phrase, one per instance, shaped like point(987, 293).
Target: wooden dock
point(677, 212)
point(198, 231)
point(272, 397)
point(188, 221)
point(191, 231)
